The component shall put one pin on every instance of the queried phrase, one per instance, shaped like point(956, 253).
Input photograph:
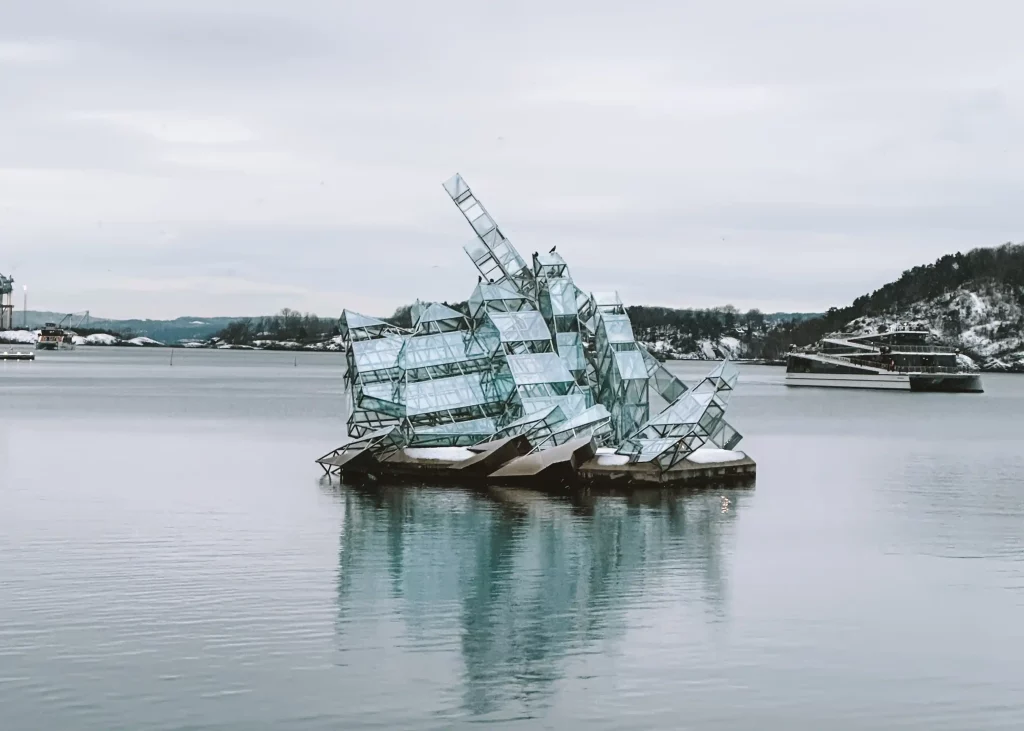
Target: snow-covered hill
point(986, 321)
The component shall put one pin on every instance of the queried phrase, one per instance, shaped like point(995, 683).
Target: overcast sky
point(170, 157)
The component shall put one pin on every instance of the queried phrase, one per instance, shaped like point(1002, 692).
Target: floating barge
point(17, 356)
point(531, 382)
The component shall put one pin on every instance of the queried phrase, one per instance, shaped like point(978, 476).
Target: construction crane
point(83, 320)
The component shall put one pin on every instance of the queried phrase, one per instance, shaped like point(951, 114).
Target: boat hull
point(881, 381)
point(54, 346)
point(948, 382)
point(945, 382)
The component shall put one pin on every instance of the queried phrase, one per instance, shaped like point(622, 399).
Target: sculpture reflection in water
point(515, 583)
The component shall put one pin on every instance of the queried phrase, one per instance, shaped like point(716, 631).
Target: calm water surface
point(169, 559)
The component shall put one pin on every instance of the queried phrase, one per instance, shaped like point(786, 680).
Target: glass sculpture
point(529, 353)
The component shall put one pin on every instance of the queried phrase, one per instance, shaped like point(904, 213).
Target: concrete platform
point(573, 465)
point(558, 465)
point(739, 471)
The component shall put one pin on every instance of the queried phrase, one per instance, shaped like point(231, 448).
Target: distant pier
point(17, 356)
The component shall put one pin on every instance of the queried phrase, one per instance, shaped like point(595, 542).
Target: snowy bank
point(23, 337)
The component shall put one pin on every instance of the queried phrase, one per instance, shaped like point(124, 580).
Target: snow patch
point(612, 459)
point(730, 347)
point(143, 341)
point(102, 339)
point(440, 454)
point(711, 455)
point(26, 337)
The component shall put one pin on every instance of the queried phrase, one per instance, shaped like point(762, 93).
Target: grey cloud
point(799, 152)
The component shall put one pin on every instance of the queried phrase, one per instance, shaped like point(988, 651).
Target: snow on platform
point(607, 456)
point(442, 454)
point(710, 455)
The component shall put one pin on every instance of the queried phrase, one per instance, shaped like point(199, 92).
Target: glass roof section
point(441, 394)
point(436, 311)
point(436, 349)
point(631, 365)
point(617, 328)
point(517, 327)
point(377, 354)
point(607, 301)
point(538, 368)
point(560, 298)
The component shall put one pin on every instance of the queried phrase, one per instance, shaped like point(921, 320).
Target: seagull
point(553, 249)
point(479, 279)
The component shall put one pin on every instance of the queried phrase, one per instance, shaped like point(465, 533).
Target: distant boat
point(52, 337)
point(909, 360)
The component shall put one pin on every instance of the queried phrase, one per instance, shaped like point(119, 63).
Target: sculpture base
point(572, 465)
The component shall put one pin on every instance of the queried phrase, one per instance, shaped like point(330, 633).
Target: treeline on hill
point(1001, 265)
point(684, 328)
point(765, 336)
point(287, 326)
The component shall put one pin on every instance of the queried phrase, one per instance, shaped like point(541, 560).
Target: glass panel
point(427, 350)
point(354, 320)
point(456, 186)
point(604, 300)
point(538, 368)
point(618, 329)
point(483, 223)
point(456, 392)
point(570, 405)
point(631, 365)
point(515, 327)
point(377, 354)
point(476, 250)
point(588, 416)
point(561, 293)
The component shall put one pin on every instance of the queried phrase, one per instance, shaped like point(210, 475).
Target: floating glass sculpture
point(533, 355)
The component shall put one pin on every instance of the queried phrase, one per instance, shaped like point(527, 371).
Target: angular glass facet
point(535, 368)
point(515, 327)
point(377, 354)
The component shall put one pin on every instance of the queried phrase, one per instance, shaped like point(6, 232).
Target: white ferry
point(53, 337)
point(906, 360)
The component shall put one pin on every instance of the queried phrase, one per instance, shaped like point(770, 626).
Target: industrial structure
point(531, 357)
point(6, 302)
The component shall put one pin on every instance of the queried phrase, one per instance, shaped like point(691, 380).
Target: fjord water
point(170, 559)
